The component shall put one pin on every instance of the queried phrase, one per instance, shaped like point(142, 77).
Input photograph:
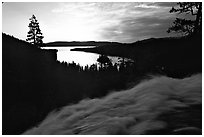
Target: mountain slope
point(175, 57)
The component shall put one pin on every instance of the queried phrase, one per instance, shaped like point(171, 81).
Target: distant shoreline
point(81, 44)
point(68, 45)
point(90, 50)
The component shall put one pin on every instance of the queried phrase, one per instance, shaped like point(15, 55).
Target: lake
point(83, 58)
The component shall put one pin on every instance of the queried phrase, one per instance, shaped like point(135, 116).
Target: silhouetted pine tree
point(103, 61)
point(186, 26)
point(34, 34)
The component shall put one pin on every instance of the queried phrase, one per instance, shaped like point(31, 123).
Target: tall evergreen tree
point(187, 26)
point(34, 34)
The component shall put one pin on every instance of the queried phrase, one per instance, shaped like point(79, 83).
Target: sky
point(124, 22)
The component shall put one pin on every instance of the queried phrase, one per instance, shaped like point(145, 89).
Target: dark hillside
point(34, 83)
point(175, 57)
point(25, 75)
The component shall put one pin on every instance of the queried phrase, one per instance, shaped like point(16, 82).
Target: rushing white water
point(133, 111)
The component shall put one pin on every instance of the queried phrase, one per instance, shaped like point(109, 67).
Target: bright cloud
point(83, 21)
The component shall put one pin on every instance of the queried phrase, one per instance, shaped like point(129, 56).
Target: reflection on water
point(83, 58)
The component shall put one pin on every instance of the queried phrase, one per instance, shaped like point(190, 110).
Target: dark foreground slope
point(25, 79)
point(34, 83)
point(161, 105)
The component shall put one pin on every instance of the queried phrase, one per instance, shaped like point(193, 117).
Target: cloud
point(114, 21)
point(147, 6)
point(132, 29)
point(139, 21)
point(166, 4)
point(120, 21)
point(133, 111)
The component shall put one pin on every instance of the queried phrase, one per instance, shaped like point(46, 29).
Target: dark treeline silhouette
point(35, 83)
point(104, 65)
point(174, 57)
